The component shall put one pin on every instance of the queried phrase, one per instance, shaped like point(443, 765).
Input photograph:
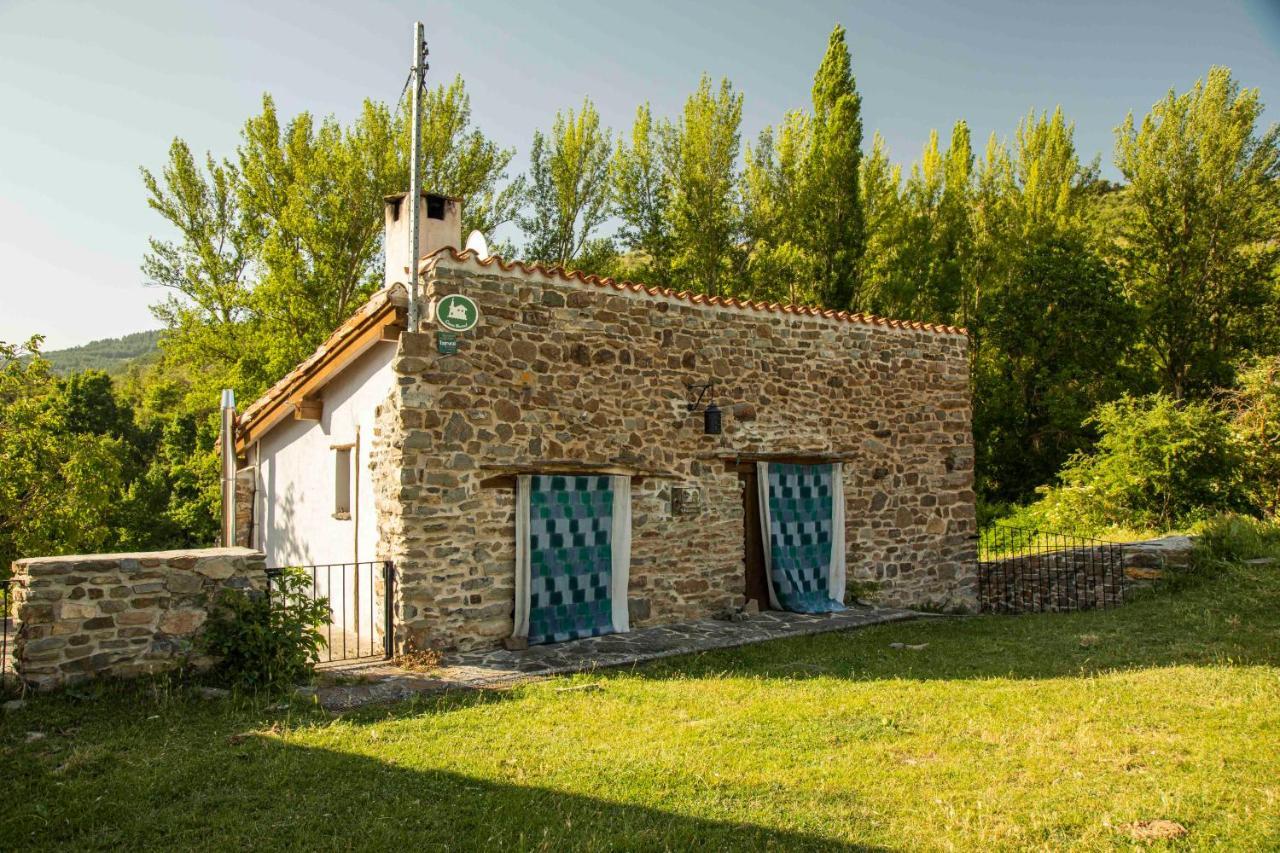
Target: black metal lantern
point(711, 420)
point(712, 417)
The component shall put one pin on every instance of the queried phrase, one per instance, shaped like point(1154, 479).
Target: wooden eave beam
point(307, 409)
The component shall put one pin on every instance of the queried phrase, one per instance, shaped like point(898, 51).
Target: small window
point(342, 482)
point(435, 207)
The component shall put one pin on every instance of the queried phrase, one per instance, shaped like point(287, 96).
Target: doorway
point(756, 584)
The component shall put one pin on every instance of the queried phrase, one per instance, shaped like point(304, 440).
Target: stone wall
point(573, 373)
point(122, 615)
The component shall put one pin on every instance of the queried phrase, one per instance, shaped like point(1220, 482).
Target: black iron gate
point(1021, 570)
point(360, 626)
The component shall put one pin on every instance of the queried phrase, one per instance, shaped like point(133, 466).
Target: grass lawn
point(1043, 731)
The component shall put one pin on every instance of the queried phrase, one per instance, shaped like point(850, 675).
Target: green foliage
point(1255, 409)
point(702, 156)
point(113, 356)
point(267, 642)
point(1231, 538)
point(641, 189)
point(459, 160)
point(569, 187)
point(1037, 384)
point(1200, 256)
point(803, 216)
point(84, 472)
point(1159, 464)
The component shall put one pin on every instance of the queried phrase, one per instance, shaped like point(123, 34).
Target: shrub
point(1158, 464)
point(1232, 538)
point(1255, 407)
point(267, 642)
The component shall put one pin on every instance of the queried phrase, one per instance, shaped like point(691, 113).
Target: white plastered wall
point(294, 502)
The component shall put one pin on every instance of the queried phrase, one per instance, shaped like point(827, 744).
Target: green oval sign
point(457, 313)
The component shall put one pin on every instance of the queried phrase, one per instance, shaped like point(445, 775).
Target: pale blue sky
point(91, 91)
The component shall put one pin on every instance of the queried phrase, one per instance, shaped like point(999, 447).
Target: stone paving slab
point(382, 682)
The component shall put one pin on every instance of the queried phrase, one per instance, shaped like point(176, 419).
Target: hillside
point(112, 355)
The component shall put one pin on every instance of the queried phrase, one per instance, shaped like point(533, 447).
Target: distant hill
point(112, 355)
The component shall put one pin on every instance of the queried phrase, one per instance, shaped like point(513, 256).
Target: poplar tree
point(701, 152)
point(641, 191)
point(1200, 256)
point(780, 266)
point(834, 226)
point(569, 188)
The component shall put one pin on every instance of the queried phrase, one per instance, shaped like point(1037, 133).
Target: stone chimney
point(439, 225)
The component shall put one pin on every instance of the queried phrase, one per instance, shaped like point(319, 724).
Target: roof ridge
point(688, 296)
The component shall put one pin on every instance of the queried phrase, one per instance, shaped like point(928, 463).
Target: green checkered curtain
point(802, 509)
point(573, 543)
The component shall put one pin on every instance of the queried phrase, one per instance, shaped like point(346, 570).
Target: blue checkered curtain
point(803, 509)
point(569, 559)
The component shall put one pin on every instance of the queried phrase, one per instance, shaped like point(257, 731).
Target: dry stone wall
point(119, 614)
point(569, 373)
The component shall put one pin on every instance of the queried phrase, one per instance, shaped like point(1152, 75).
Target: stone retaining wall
point(1082, 578)
point(123, 615)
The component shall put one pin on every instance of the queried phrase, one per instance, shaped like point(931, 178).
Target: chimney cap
point(425, 194)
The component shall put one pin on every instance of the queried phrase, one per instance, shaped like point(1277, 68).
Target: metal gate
point(1021, 570)
point(360, 626)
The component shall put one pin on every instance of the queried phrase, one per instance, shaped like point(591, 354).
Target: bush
point(1231, 538)
point(265, 643)
point(1159, 464)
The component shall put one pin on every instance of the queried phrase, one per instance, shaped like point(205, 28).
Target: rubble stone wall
point(561, 373)
point(121, 615)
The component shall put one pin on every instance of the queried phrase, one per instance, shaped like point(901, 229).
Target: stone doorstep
point(382, 682)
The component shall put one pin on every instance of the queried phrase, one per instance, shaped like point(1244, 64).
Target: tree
point(1035, 288)
point(208, 269)
point(1036, 382)
point(640, 191)
point(459, 160)
point(884, 216)
point(1159, 463)
point(922, 233)
point(833, 213)
point(314, 191)
point(780, 265)
point(701, 152)
point(802, 209)
point(1200, 257)
point(569, 186)
point(75, 463)
point(1254, 405)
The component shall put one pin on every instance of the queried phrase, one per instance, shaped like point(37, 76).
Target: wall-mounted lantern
point(712, 417)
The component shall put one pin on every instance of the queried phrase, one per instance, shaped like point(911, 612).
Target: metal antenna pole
point(415, 183)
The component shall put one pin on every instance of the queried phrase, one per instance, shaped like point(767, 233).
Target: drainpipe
point(228, 441)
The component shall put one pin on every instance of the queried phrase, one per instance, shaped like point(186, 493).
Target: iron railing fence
point(359, 596)
point(1023, 570)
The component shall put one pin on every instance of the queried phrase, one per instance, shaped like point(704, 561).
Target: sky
point(89, 92)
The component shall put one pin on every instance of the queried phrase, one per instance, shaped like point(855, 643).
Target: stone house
point(616, 454)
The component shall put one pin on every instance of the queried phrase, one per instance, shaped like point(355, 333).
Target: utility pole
point(417, 76)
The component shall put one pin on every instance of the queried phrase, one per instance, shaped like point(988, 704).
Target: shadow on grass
point(263, 792)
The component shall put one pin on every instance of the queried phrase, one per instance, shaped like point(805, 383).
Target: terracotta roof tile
point(395, 294)
point(685, 295)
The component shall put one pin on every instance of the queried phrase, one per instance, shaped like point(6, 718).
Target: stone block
point(182, 622)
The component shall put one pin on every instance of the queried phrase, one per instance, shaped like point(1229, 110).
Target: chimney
point(440, 225)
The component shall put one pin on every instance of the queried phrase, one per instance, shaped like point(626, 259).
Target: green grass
point(1038, 732)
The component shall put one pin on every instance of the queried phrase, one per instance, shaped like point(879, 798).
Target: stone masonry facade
point(569, 372)
point(119, 614)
